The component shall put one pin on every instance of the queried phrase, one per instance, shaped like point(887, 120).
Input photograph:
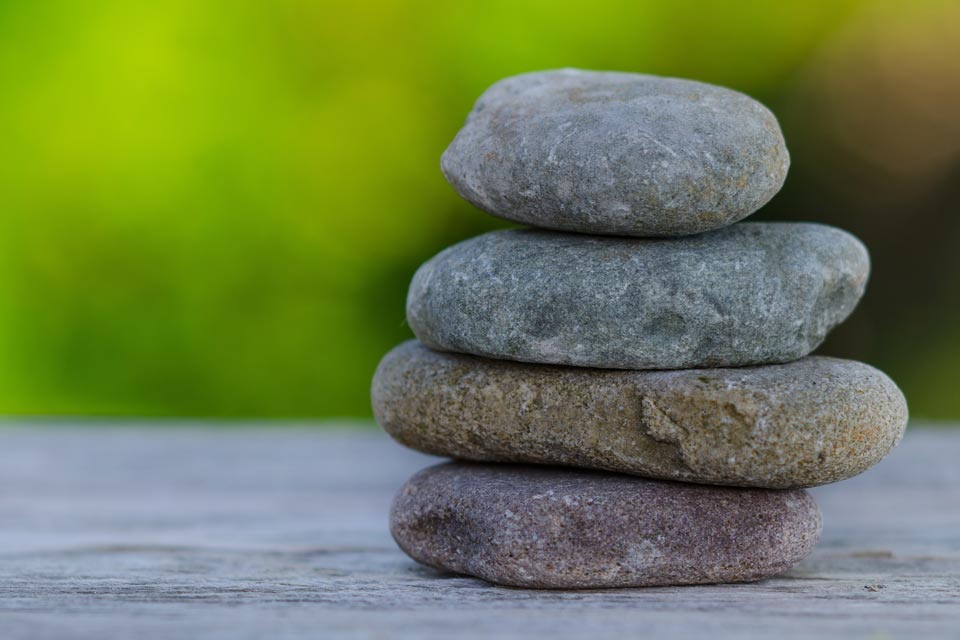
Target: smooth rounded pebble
point(753, 293)
point(802, 424)
point(617, 153)
point(561, 529)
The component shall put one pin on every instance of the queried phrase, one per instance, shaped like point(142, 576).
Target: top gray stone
point(617, 153)
point(752, 293)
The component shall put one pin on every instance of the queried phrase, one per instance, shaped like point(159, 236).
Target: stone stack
point(630, 379)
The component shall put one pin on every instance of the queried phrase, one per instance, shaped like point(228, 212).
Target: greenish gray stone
point(810, 422)
point(752, 293)
point(563, 529)
point(617, 153)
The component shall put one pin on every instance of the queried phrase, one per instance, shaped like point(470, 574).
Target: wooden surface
point(208, 532)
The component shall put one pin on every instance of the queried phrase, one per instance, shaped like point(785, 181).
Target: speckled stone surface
point(562, 529)
point(802, 424)
point(752, 293)
point(617, 153)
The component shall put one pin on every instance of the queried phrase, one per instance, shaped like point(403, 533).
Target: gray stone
point(562, 529)
point(617, 153)
point(753, 293)
point(810, 422)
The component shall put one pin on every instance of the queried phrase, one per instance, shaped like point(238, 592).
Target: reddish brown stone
point(562, 529)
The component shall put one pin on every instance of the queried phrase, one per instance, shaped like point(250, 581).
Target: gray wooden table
point(203, 531)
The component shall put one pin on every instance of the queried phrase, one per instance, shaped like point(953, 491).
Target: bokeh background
point(214, 208)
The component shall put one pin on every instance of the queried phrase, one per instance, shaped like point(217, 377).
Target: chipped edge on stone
point(635, 413)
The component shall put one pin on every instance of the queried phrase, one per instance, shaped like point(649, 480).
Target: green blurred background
point(214, 208)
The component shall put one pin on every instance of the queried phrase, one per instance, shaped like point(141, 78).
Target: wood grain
point(195, 530)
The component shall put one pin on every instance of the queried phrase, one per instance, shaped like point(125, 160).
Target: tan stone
point(806, 423)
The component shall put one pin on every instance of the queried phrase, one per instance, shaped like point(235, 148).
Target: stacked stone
point(635, 335)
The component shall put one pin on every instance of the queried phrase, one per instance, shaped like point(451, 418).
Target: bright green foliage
point(214, 208)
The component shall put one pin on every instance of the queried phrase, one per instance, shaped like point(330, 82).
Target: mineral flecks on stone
point(617, 153)
point(753, 293)
point(661, 345)
point(566, 529)
point(810, 422)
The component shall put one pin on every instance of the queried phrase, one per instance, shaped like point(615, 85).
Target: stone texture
point(562, 529)
point(617, 153)
point(753, 293)
point(802, 424)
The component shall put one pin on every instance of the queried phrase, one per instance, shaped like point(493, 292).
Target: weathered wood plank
point(218, 533)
